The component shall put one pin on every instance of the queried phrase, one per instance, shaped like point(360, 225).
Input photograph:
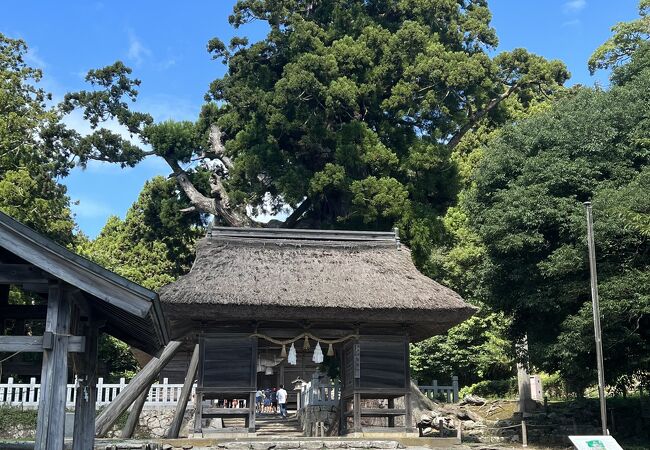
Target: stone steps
point(274, 426)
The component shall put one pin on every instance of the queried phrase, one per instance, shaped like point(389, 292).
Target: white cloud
point(574, 6)
point(572, 23)
point(90, 209)
point(137, 52)
point(32, 58)
point(166, 64)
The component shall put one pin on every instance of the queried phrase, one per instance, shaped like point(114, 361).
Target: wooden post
point(134, 415)
point(441, 424)
point(524, 434)
point(54, 373)
point(454, 385)
point(84, 411)
point(4, 301)
point(175, 427)
point(250, 423)
point(139, 383)
point(391, 418)
point(357, 412)
point(198, 412)
point(408, 412)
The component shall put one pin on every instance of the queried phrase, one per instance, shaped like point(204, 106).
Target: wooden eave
point(118, 298)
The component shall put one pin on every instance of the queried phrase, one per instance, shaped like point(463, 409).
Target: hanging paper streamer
point(318, 354)
point(283, 353)
point(305, 345)
point(330, 350)
point(291, 359)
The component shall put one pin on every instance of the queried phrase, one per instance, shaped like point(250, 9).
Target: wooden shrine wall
point(228, 362)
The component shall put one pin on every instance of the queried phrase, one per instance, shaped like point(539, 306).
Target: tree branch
point(478, 115)
point(297, 213)
point(219, 207)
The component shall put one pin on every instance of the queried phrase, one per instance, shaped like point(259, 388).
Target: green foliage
point(353, 104)
point(491, 389)
point(526, 208)
point(33, 148)
point(553, 385)
point(11, 417)
point(117, 359)
point(628, 37)
point(152, 246)
point(155, 243)
point(475, 350)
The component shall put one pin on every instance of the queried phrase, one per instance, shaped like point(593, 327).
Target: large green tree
point(33, 148)
point(347, 112)
point(527, 209)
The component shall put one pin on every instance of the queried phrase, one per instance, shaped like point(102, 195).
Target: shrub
point(11, 416)
point(491, 389)
point(554, 386)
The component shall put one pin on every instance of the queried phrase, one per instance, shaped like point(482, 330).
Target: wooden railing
point(438, 392)
point(320, 394)
point(27, 395)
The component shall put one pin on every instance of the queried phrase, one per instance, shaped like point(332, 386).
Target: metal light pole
point(596, 311)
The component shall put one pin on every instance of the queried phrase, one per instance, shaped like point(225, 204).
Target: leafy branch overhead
point(346, 112)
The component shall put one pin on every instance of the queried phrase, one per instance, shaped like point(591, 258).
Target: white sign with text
point(595, 442)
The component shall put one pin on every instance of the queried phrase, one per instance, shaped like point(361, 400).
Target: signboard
point(595, 442)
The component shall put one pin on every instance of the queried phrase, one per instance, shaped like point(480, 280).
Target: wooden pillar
point(139, 383)
point(4, 301)
point(134, 414)
point(356, 409)
point(251, 413)
point(198, 412)
point(84, 412)
point(175, 427)
point(391, 418)
point(408, 411)
point(54, 373)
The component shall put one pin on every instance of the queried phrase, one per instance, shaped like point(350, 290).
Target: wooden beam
point(21, 273)
point(134, 415)
point(175, 427)
point(37, 344)
point(54, 374)
point(37, 288)
point(23, 311)
point(140, 382)
point(4, 295)
point(84, 410)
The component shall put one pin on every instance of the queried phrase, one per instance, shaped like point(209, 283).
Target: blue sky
point(165, 44)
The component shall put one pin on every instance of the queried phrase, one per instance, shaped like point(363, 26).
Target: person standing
point(282, 401)
point(274, 401)
point(259, 401)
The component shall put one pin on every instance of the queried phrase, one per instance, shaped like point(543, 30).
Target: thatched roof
point(311, 275)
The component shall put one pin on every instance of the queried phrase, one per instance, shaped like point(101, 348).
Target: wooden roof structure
point(131, 312)
point(262, 274)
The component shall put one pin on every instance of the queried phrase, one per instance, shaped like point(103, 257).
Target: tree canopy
point(526, 206)
point(34, 148)
point(346, 112)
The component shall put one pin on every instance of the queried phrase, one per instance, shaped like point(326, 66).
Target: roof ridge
point(263, 234)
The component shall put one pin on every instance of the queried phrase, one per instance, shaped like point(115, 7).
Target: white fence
point(166, 395)
point(27, 395)
point(438, 392)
